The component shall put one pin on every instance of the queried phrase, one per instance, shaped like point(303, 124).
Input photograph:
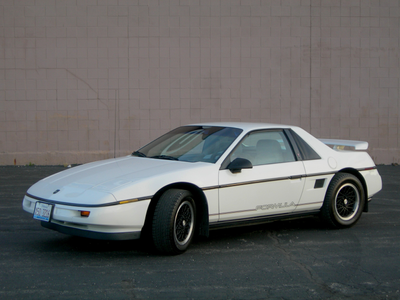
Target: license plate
point(42, 211)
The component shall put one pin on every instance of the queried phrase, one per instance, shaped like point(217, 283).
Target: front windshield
point(191, 144)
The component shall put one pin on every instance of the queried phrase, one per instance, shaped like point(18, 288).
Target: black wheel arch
point(359, 176)
point(202, 226)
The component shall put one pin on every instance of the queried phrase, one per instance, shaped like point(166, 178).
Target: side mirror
point(238, 164)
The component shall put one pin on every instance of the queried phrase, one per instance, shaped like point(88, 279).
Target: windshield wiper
point(138, 153)
point(165, 157)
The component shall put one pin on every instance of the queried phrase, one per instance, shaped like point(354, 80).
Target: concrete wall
point(84, 80)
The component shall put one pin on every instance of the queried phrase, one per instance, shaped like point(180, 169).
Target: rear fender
point(362, 180)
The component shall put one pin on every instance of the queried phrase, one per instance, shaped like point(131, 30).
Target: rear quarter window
point(306, 152)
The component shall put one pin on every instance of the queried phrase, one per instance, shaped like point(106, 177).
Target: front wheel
point(174, 221)
point(344, 201)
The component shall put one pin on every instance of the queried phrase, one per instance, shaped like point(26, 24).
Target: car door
point(272, 186)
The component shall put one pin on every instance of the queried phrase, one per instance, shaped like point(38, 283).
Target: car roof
point(246, 126)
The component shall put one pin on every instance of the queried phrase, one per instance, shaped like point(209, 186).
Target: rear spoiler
point(342, 144)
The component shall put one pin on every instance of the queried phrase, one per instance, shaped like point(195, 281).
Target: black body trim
point(86, 205)
point(253, 182)
point(280, 178)
point(204, 189)
point(261, 220)
point(92, 234)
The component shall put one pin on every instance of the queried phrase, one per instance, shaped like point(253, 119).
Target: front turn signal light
point(85, 213)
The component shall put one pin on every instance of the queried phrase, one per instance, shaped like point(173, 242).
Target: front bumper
point(115, 236)
point(114, 222)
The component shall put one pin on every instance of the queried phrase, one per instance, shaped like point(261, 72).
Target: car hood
point(119, 179)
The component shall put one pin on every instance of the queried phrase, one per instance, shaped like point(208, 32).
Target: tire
point(344, 201)
point(174, 222)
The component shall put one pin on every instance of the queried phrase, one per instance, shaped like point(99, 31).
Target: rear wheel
point(344, 201)
point(174, 221)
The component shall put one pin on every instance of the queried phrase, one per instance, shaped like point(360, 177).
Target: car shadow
point(143, 247)
point(74, 244)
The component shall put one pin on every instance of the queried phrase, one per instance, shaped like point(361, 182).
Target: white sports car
point(205, 176)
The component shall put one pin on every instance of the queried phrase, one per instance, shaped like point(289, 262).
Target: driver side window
point(264, 147)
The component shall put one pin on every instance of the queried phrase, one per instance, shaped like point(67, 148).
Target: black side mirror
point(238, 164)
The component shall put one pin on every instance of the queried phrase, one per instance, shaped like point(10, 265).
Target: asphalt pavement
point(296, 259)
